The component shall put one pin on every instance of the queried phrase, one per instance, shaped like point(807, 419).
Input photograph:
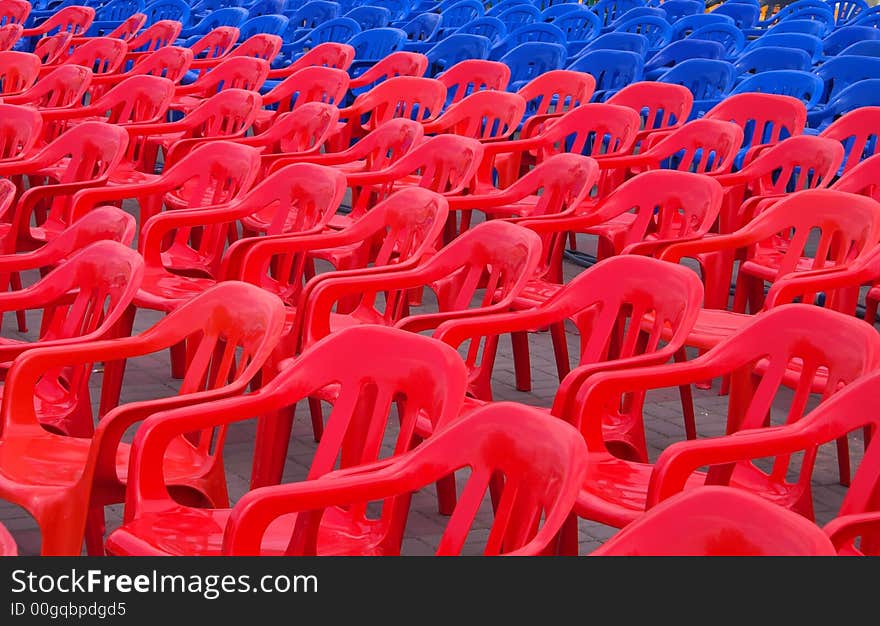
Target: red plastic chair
point(398, 63)
point(230, 330)
point(471, 76)
point(102, 55)
point(20, 129)
point(170, 62)
point(7, 543)
point(81, 299)
point(214, 174)
point(126, 30)
point(718, 521)
point(327, 54)
point(602, 301)
point(246, 73)
point(796, 163)
point(9, 35)
point(483, 115)
point(18, 71)
point(215, 45)
point(81, 158)
point(261, 46)
point(384, 374)
point(857, 131)
point(554, 93)
point(616, 490)
point(411, 97)
point(376, 151)
point(663, 106)
point(310, 84)
point(135, 100)
point(63, 87)
point(228, 114)
point(577, 131)
point(446, 164)
point(16, 11)
point(53, 49)
point(156, 36)
point(73, 19)
point(540, 461)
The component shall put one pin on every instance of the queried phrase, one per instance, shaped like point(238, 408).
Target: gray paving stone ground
point(150, 377)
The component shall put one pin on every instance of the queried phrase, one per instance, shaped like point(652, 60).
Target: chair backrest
point(764, 118)
point(423, 27)
point(73, 19)
point(387, 143)
point(482, 115)
point(701, 146)
point(402, 96)
point(328, 54)
point(808, 27)
point(454, 49)
point(538, 31)
point(839, 73)
point(610, 10)
point(102, 55)
point(707, 79)
point(593, 130)
point(304, 129)
point(857, 131)
point(656, 29)
point(238, 72)
point(861, 94)
point(660, 105)
point(773, 58)
point(578, 25)
point(266, 7)
point(18, 71)
point(62, 87)
point(517, 15)
point(230, 16)
point(805, 86)
point(176, 10)
point(54, 48)
point(676, 9)
point(215, 44)
point(227, 113)
point(808, 43)
point(491, 28)
point(689, 23)
point(20, 128)
point(15, 12)
point(157, 35)
point(310, 84)
point(473, 75)
point(370, 17)
point(631, 42)
point(559, 90)
point(377, 43)
point(170, 62)
point(459, 13)
point(743, 15)
point(724, 33)
point(843, 38)
point(681, 50)
point(529, 60)
point(861, 178)
point(612, 69)
point(862, 48)
point(718, 521)
point(9, 35)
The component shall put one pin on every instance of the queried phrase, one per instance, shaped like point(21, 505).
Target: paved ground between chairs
point(149, 377)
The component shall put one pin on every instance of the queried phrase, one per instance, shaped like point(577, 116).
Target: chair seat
point(164, 291)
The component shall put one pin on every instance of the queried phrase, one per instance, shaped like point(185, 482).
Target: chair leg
point(15, 281)
point(560, 349)
point(317, 415)
point(687, 400)
point(843, 465)
point(178, 360)
point(95, 527)
point(446, 495)
point(270, 447)
point(521, 362)
point(114, 371)
point(567, 539)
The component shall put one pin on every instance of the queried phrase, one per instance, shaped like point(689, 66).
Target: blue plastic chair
point(580, 28)
point(422, 30)
point(861, 94)
point(809, 44)
point(553, 13)
point(531, 59)
point(656, 29)
point(112, 14)
point(862, 48)
point(610, 10)
point(266, 7)
point(338, 30)
point(491, 28)
point(201, 9)
point(840, 72)
point(679, 51)
point(744, 15)
point(847, 11)
point(373, 45)
point(368, 16)
point(676, 9)
point(803, 9)
point(633, 13)
point(230, 16)
point(456, 14)
point(309, 16)
point(446, 53)
point(866, 17)
point(401, 10)
point(686, 25)
point(612, 69)
point(807, 27)
point(709, 80)
point(772, 58)
point(538, 31)
point(844, 37)
point(267, 24)
point(494, 9)
point(804, 86)
point(519, 15)
point(167, 10)
point(730, 37)
point(629, 42)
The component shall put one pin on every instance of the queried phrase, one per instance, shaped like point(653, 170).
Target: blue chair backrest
point(167, 10)
point(531, 59)
point(773, 58)
point(494, 9)
point(631, 14)
point(676, 9)
point(230, 16)
point(686, 25)
point(579, 25)
point(809, 44)
point(707, 79)
point(844, 37)
point(861, 94)
point(629, 42)
point(657, 30)
point(840, 72)
point(376, 43)
point(338, 30)
point(811, 9)
point(556, 11)
point(118, 10)
point(847, 11)
point(743, 15)
point(808, 27)
point(423, 27)
point(269, 24)
point(727, 35)
point(203, 8)
point(266, 7)
point(862, 48)
point(491, 28)
point(457, 47)
point(370, 17)
point(681, 50)
point(519, 15)
point(313, 13)
point(539, 31)
point(459, 13)
point(612, 69)
point(400, 9)
point(610, 10)
point(804, 86)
